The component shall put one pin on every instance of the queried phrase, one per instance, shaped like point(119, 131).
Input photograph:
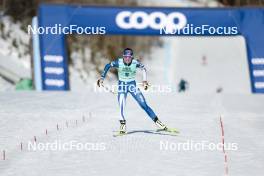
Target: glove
point(145, 85)
point(100, 82)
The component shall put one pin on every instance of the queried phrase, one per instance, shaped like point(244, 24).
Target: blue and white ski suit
point(127, 84)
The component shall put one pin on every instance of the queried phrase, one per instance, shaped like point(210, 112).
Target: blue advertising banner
point(56, 21)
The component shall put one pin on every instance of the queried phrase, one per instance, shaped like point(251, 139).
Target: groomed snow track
point(92, 118)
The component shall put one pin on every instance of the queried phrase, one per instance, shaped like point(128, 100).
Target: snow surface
point(27, 114)
point(226, 64)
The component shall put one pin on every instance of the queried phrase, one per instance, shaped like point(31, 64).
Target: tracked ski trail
point(26, 114)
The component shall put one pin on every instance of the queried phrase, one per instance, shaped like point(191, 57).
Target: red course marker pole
point(223, 143)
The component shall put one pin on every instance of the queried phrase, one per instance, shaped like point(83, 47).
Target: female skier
point(126, 67)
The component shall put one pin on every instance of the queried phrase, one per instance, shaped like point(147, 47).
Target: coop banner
point(57, 21)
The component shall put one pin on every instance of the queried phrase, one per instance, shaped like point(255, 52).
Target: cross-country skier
point(126, 67)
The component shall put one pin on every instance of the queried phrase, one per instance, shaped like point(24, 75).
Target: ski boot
point(160, 124)
point(122, 129)
point(163, 127)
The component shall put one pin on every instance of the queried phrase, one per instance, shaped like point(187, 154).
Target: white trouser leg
point(122, 104)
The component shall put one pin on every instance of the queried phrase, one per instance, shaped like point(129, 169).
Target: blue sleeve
point(108, 66)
